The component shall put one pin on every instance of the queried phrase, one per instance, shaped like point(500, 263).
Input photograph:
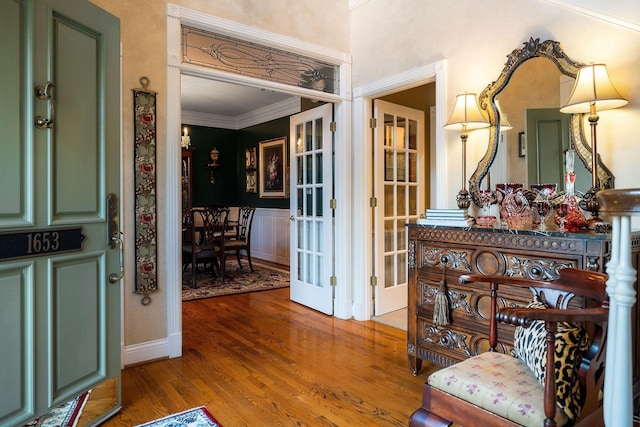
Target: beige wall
point(388, 37)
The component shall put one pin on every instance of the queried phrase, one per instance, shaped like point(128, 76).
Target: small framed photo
point(252, 186)
point(273, 168)
point(522, 145)
point(250, 158)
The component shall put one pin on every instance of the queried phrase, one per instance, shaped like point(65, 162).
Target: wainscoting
point(270, 235)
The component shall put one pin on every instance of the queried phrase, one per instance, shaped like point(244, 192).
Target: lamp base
point(590, 203)
point(463, 199)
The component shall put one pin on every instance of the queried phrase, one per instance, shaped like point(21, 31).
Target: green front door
point(59, 162)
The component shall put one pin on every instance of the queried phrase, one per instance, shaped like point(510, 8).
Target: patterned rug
point(236, 281)
point(196, 417)
point(63, 416)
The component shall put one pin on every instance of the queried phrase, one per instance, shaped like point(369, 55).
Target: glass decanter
point(570, 217)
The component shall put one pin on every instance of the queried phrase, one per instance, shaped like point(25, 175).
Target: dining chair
point(562, 330)
point(232, 222)
point(207, 240)
point(242, 239)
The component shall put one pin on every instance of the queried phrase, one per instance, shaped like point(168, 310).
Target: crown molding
point(354, 4)
point(271, 112)
point(628, 25)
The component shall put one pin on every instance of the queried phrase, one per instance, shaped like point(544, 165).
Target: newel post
point(617, 207)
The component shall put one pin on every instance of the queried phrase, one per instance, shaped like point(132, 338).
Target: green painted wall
point(223, 191)
point(229, 188)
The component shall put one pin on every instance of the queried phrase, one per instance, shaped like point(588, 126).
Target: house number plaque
point(27, 244)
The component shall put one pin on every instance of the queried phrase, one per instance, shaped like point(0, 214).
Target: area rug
point(196, 417)
point(63, 416)
point(236, 281)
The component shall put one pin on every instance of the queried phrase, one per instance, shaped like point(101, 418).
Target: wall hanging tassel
point(441, 304)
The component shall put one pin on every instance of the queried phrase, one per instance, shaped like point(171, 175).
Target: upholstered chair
point(561, 330)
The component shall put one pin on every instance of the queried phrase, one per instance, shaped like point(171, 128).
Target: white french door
point(398, 139)
point(311, 183)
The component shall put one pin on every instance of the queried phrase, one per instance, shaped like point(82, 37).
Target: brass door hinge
point(373, 202)
point(333, 203)
point(333, 126)
point(373, 122)
point(333, 281)
point(374, 281)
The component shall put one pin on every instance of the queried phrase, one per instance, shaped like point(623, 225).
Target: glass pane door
point(399, 135)
point(312, 217)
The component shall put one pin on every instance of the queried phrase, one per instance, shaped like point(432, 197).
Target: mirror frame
point(551, 50)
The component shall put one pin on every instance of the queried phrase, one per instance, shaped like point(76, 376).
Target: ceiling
point(212, 97)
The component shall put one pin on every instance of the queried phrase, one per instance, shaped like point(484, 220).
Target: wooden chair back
point(242, 239)
point(207, 238)
point(245, 220)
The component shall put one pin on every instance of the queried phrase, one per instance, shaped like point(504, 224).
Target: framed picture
point(273, 168)
point(252, 186)
point(250, 158)
point(522, 147)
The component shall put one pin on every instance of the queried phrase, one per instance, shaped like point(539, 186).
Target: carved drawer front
point(446, 345)
point(460, 298)
point(450, 258)
point(537, 266)
point(470, 309)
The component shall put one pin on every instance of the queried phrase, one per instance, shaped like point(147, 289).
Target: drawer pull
point(441, 303)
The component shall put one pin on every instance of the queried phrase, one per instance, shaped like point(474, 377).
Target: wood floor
point(259, 359)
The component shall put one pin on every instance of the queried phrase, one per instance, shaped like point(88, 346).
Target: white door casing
point(362, 188)
point(170, 278)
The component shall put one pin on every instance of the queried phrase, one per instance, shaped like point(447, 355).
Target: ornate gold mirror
point(548, 50)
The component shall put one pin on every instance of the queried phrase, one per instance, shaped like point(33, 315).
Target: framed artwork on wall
point(250, 158)
point(251, 182)
point(273, 168)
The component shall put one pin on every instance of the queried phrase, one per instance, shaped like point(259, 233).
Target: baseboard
point(146, 352)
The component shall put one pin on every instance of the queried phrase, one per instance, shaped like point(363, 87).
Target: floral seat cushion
point(500, 383)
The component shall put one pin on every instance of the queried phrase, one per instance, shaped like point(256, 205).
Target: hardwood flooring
point(258, 359)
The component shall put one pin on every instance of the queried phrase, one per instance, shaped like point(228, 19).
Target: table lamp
point(466, 116)
point(593, 92)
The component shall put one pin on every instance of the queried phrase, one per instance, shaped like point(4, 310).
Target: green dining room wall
point(229, 188)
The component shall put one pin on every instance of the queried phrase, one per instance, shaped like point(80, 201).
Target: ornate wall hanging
point(144, 113)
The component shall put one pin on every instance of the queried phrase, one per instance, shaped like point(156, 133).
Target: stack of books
point(448, 217)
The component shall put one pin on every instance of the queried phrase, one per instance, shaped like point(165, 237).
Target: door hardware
point(45, 93)
point(114, 234)
point(115, 277)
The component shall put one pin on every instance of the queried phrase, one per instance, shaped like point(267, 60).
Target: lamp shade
point(466, 114)
point(504, 123)
point(593, 86)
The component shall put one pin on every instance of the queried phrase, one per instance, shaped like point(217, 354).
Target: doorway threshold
point(397, 319)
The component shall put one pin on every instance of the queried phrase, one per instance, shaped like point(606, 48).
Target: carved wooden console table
point(444, 253)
